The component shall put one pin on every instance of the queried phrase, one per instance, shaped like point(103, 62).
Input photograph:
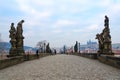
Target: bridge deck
point(61, 67)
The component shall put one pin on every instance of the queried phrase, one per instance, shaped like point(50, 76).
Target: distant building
point(116, 48)
point(92, 45)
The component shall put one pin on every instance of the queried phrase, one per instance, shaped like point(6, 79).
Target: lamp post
point(44, 48)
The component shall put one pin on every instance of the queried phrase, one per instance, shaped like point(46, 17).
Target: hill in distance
point(7, 46)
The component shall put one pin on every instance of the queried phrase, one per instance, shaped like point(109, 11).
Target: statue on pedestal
point(104, 39)
point(16, 39)
point(19, 38)
point(13, 40)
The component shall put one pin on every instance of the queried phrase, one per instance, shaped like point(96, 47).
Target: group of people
point(37, 53)
point(53, 52)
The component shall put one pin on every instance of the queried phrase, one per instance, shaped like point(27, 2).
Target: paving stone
point(61, 67)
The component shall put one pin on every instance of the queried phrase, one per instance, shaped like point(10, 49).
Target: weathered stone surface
point(11, 61)
point(104, 39)
point(19, 38)
point(110, 60)
point(16, 40)
point(61, 67)
point(12, 35)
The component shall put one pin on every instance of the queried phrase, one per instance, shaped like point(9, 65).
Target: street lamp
point(44, 47)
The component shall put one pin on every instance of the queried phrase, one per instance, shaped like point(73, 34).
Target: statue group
point(104, 39)
point(16, 41)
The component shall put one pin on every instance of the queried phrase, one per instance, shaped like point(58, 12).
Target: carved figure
point(104, 39)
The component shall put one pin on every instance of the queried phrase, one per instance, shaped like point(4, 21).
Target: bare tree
point(41, 46)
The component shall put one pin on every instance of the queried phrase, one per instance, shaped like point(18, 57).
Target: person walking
point(37, 53)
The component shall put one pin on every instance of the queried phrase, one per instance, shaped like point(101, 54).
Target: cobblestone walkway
point(61, 67)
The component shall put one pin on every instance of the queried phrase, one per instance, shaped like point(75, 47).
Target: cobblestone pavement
point(61, 67)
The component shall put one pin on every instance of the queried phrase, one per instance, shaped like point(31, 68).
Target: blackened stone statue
point(19, 38)
point(12, 35)
point(106, 21)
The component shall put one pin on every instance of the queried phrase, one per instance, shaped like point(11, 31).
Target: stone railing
point(110, 60)
point(107, 59)
point(19, 59)
point(34, 56)
point(87, 55)
point(10, 61)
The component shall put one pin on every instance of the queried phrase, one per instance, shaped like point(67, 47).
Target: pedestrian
point(55, 51)
point(37, 53)
point(28, 55)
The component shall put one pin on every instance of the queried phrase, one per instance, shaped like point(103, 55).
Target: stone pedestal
point(104, 39)
point(20, 51)
point(13, 52)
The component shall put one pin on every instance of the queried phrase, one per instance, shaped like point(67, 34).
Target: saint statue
point(104, 39)
point(19, 28)
point(19, 38)
point(106, 21)
point(12, 35)
point(12, 31)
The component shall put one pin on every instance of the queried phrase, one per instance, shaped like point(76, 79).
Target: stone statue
point(100, 41)
point(106, 21)
point(13, 40)
point(19, 38)
point(104, 39)
point(106, 34)
point(19, 28)
point(12, 31)
point(16, 39)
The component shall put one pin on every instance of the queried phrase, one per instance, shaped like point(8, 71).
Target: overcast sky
point(60, 22)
